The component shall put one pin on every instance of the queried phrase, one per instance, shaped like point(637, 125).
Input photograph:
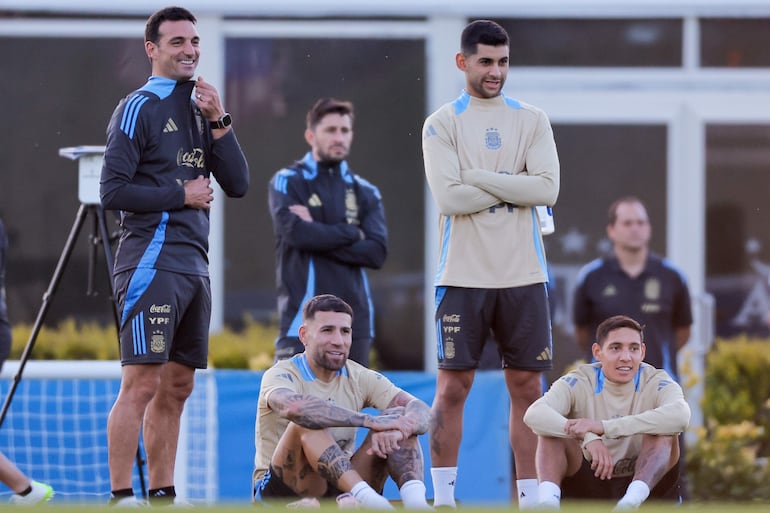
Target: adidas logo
point(545, 355)
point(170, 126)
point(314, 200)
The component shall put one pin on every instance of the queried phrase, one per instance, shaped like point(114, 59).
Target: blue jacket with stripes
point(328, 255)
point(157, 140)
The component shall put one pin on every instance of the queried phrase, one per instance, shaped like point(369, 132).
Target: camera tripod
point(99, 236)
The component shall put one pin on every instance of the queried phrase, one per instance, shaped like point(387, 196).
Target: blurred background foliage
point(729, 460)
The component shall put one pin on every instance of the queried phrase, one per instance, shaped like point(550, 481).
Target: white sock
point(368, 498)
point(413, 495)
point(549, 494)
point(527, 490)
point(636, 493)
point(444, 486)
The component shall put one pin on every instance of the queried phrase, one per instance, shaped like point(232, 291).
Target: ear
point(302, 333)
point(596, 350)
point(460, 61)
point(644, 350)
point(309, 137)
point(149, 49)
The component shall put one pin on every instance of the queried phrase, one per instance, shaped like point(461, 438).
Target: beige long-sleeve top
point(652, 403)
point(488, 163)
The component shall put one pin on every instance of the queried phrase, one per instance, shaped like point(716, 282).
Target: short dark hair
point(326, 106)
point(612, 212)
point(325, 303)
point(616, 322)
point(485, 32)
point(152, 29)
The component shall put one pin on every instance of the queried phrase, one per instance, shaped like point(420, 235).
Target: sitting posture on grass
point(310, 407)
point(608, 430)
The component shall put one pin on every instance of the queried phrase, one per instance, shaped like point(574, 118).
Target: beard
point(331, 159)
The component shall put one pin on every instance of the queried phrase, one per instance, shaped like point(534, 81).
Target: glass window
point(595, 42)
point(737, 217)
point(735, 42)
point(271, 84)
point(59, 92)
point(599, 164)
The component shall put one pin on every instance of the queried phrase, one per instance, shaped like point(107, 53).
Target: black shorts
point(271, 487)
point(518, 318)
point(584, 485)
point(164, 317)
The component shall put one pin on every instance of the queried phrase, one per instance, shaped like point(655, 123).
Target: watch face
point(225, 121)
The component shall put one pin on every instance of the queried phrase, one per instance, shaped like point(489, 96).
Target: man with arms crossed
point(309, 409)
point(608, 430)
point(329, 226)
point(489, 160)
point(163, 145)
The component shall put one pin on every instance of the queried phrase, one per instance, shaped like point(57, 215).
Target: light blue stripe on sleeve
point(539, 243)
point(444, 248)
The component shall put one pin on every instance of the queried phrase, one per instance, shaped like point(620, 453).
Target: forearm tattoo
point(333, 463)
point(315, 413)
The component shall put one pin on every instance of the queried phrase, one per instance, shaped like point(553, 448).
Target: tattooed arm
point(416, 414)
point(314, 413)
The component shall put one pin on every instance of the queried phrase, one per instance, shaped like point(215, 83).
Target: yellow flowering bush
point(729, 460)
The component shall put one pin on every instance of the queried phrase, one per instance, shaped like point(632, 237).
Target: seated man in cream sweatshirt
point(609, 430)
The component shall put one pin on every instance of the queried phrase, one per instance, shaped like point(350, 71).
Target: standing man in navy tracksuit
point(163, 145)
point(329, 226)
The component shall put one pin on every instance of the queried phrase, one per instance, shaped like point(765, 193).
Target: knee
point(525, 385)
point(139, 391)
point(667, 446)
point(453, 391)
point(173, 393)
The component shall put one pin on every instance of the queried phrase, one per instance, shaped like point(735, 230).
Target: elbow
point(551, 193)
point(107, 198)
point(379, 258)
point(529, 418)
point(240, 189)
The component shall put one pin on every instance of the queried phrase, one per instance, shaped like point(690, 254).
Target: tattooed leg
point(291, 464)
point(407, 463)
point(658, 455)
point(446, 426)
point(328, 460)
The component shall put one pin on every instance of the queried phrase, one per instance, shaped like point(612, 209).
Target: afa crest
point(157, 342)
point(492, 139)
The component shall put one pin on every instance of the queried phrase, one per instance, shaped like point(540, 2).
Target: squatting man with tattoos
point(608, 430)
point(310, 407)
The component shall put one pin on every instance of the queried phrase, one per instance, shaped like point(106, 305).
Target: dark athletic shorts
point(271, 487)
point(164, 317)
point(518, 317)
point(584, 485)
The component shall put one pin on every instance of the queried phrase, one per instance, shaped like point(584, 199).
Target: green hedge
point(729, 460)
point(250, 348)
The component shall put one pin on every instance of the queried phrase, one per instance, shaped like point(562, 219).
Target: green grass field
point(583, 507)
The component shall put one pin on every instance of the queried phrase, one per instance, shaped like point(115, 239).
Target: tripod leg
point(104, 235)
point(47, 297)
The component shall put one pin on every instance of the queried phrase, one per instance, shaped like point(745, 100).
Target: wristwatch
point(225, 121)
